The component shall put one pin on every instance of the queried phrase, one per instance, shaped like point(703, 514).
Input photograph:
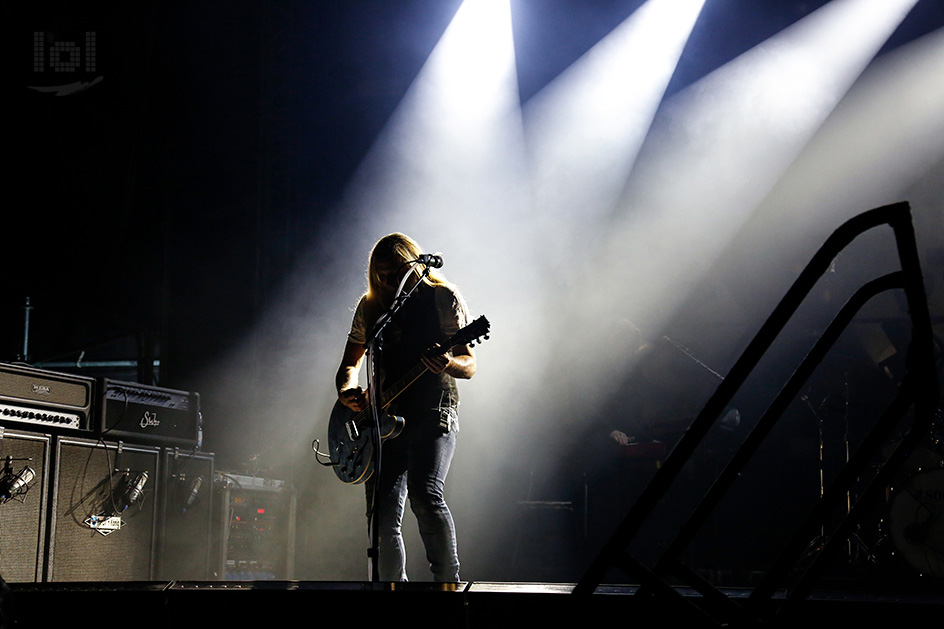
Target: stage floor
point(469, 605)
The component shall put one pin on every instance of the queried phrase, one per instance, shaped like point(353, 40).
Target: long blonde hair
point(399, 250)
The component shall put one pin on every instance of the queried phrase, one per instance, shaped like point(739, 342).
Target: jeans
point(415, 465)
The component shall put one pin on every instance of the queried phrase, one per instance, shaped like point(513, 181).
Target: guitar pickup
point(352, 432)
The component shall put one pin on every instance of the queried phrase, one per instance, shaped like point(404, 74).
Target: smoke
point(583, 256)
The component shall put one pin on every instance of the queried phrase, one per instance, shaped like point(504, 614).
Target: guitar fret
point(391, 394)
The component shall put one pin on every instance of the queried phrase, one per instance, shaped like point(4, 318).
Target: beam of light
point(882, 138)
point(447, 165)
point(433, 170)
point(448, 169)
point(585, 129)
point(712, 155)
point(583, 132)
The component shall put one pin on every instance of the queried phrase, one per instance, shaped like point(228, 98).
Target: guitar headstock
point(473, 333)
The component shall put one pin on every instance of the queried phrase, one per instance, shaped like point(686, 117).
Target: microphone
point(193, 492)
point(431, 259)
point(13, 485)
point(136, 488)
point(130, 491)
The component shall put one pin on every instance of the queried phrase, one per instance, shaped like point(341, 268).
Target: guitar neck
point(477, 328)
point(388, 396)
point(402, 385)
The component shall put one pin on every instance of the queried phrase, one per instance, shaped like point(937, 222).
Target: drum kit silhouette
point(915, 512)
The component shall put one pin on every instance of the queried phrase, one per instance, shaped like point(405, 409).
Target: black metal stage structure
point(628, 581)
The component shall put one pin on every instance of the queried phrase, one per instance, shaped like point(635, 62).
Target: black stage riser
point(181, 606)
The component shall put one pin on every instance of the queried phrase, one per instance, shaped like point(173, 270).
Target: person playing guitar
point(416, 461)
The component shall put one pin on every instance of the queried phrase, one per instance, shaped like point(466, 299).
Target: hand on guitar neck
point(458, 363)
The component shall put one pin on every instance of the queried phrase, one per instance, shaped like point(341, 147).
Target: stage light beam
point(714, 151)
point(884, 136)
point(585, 128)
point(445, 167)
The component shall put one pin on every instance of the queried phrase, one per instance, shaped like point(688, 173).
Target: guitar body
point(350, 446)
point(349, 441)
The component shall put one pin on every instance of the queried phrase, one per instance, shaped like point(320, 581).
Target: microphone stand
point(374, 346)
point(691, 355)
point(26, 331)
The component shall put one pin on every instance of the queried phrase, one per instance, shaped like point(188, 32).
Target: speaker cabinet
point(104, 513)
point(23, 511)
point(187, 516)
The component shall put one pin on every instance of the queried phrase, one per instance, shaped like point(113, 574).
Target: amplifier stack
point(101, 480)
point(46, 401)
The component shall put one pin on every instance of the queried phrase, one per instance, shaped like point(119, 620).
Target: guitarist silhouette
point(426, 346)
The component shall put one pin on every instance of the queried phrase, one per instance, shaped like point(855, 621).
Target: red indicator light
point(260, 511)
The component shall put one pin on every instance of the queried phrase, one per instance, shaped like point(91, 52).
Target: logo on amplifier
point(149, 419)
point(103, 524)
point(40, 389)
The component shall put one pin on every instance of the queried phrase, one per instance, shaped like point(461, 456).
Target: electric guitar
point(350, 446)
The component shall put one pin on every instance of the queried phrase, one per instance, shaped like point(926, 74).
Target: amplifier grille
point(45, 387)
